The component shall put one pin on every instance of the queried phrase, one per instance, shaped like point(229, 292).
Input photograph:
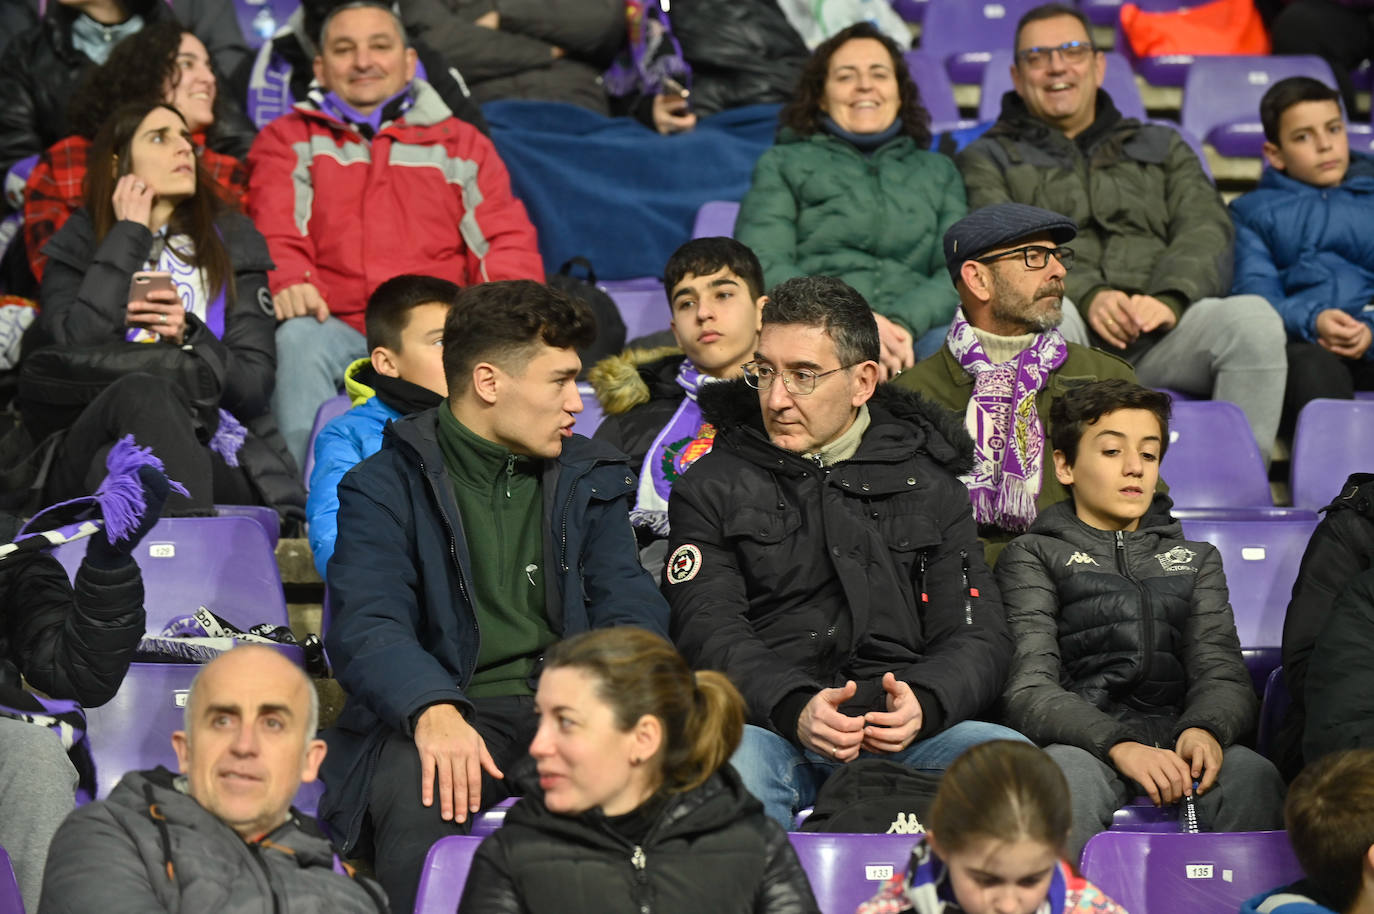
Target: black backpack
point(874, 796)
point(610, 326)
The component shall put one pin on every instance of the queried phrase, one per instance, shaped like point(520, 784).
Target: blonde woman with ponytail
point(635, 809)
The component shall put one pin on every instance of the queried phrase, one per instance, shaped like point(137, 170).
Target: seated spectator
point(152, 209)
point(1127, 666)
point(482, 532)
point(74, 643)
point(649, 396)
point(1299, 242)
point(1341, 548)
point(1329, 816)
point(404, 374)
point(1004, 361)
point(1154, 246)
point(631, 751)
point(995, 841)
point(370, 178)
point(1339, 698)
point(824, 557)
point(163, 62)
point(850, 191)
point(222, 836)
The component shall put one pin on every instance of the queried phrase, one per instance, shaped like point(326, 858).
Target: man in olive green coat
point(1004, 360)
point(1155, 253)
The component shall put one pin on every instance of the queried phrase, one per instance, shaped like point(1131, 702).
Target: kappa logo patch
point(1080, 558)
point(1179, 558)
point(684, 564)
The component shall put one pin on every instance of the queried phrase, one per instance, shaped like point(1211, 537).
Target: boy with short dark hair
point(1302, 240)
point(404, 374)
point(1127, 667)
point(1330, 820)
point(715, 297)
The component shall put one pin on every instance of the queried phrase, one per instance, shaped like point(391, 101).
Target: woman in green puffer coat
point(850, 191)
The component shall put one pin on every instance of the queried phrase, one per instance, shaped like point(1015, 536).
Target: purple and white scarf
point(1008, 436)
point(684, 440)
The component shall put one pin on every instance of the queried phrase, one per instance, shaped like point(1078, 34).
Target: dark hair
point(390, 304)
point(832, 305)
point(193, 217)
point(1286, 93)
point(324, 13)
point(704, 256)
point(640, 673)
point(1329, 815)
point(1005, 790)
point(139, 69)
point(1081, 406)
point(803, 113)
point(503, 321)
point(1051, 11)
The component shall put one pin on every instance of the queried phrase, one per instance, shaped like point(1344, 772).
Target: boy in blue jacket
point(404, 374)
point(1303, 241)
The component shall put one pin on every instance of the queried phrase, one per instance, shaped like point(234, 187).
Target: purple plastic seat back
point(259, 19)
point(1333, 439)
point(846, 869)
point(266, 518)
point(590, 417)
point(642, 304)
point(1212, 460)
point(716, 219)
point(445, 873)
point(1208, 873)
point(1272, 711)
point(1143, 815)
point(911, 10)
point(1261, 560)
point(1119, 81)
point(225, 564)
point(1260, 663)
point(489, 820)
point(966, 32)
point(329, 410)
point(10, 900)
point(1222, 94)
point(937, 92)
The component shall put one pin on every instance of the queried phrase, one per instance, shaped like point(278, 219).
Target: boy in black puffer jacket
point(1127, 667)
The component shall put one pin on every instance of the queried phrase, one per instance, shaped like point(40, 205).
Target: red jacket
point(428, 194)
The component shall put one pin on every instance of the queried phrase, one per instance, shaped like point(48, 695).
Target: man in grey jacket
point(222, 837)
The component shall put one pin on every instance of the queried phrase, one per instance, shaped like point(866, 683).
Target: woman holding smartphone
point(155, 258)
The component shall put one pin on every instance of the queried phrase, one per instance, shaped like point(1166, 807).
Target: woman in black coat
point(636, 809)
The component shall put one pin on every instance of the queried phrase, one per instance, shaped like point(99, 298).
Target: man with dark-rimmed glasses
point(1005, 360)
point(823, 555)
point(1155, 243)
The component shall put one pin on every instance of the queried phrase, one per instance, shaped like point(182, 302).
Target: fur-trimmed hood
point(635, 376)
point(733, 406)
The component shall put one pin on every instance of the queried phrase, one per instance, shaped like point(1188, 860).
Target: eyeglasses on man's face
point(798, 381)
point(1036, 256)
point(1072, 52)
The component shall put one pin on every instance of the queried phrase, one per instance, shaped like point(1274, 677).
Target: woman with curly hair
point(850, 191)
point(162, 63)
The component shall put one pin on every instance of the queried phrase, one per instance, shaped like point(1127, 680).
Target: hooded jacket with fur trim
point(792, 577)
point(639, 393)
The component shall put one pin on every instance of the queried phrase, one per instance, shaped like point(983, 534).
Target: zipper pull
point(510, 471)
point(969, 591)
point(637, 859)
point(1120, 540)
point(530, 569)
point(921, 575)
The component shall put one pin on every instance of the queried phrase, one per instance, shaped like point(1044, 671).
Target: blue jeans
point(786, 780)
point(311, 361)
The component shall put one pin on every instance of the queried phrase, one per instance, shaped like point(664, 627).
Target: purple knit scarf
point(1008, 437)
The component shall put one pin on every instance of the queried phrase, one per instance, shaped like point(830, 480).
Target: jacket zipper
point(969, 592)
point(638, 861)
point(510, 471)
point(452, 550)
point(267, 873)
point(1147, 622)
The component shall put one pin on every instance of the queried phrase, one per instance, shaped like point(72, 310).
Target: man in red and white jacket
point(370, 177)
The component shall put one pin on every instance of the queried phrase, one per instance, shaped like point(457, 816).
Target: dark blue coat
point(404, 633)
point(1307, 248)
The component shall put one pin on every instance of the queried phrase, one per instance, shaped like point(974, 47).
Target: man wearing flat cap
point(1005, 361)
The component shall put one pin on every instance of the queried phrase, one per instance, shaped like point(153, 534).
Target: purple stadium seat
point(642, 303)
point(489, 820)
point(1334, 438)
point(937, 92)
point(967, 31)
point(1212, 460)
point(445, 873)
point(1261, 560)
point(1272, 711)
point(590, 417)
point(1261, 663)
point(1142, 815)
point(911, 10)
point(845, 870)
point(716, 218)
point(330, 409)
point(1119, 82)
point(1101, 12)
point(225, 564)
point(10, 900)
point(259, 19)
point(263, 516)
point(1222, 94)
point(1209, 873)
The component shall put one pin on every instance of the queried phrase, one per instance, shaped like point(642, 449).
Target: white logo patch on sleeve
point(684, 564)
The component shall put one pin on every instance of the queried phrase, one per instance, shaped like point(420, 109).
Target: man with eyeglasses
point(1155, 243)
point(1005, 360)
point(823, 555)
